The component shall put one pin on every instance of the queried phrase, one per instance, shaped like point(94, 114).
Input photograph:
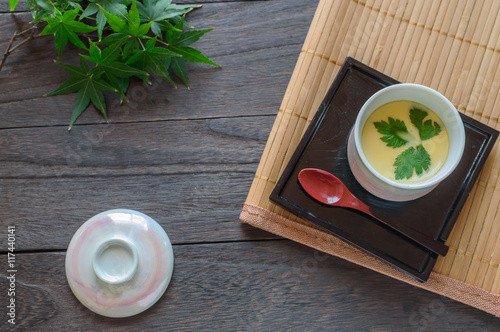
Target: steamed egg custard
point(405, 141)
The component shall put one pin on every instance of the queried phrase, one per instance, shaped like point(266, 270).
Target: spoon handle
point(417, 236)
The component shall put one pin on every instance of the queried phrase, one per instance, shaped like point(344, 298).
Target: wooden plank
point(128, 149)
point(194, 173)
point(255, 286)
point(255, 42)
point(193, 205)
point(5, 8)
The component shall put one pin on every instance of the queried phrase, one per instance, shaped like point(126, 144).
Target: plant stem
point(8, 51)
point(11, 48)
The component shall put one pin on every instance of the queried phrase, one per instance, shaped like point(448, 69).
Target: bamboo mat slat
point(452, 46)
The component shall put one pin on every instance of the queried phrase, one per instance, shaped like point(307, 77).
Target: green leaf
point(13, 4)
point(161, 10)
point(83, 65)
point(189, 37)
point(391, 131)
point(130, 46)
point(116, 23)
point(133, 15)
point(69, 86)
point(123, 83)
point(115, 38)
point(165, 53)
point(94, 51)
point(180, 70)
point(159, 27)
point(130, 25)
point(116, 8)
point(82, 101)
point(101, 23)
point(156, 29)
point(128, 42)
point(153, 59)
point(73, 4)
point(89, 87)
point(411, 160)
point(427, 129)
point(129, 50)
point(46, 5)
point(144, 28)
point(179, 40)
point(108, 65)
point(111, 53)
point(41, 9)
point(123, 70)
point(72, 70)
point(90, 10)
point(66, 28)
point(192, 55)
point(173, 35)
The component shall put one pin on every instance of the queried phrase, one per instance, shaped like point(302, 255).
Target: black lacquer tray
point(324, 146)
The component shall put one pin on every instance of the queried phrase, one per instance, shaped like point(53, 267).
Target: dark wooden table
point(187, 159)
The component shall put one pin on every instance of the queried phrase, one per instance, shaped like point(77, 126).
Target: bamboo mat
point(452, 46)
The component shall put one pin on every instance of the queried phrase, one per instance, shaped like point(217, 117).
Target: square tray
point(324, 146)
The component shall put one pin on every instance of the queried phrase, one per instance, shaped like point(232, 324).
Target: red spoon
point(328, 189)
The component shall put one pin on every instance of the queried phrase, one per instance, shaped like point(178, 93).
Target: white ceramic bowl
point(119, 263)
point(383, 187)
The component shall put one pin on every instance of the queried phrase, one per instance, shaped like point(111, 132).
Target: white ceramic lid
point(119, 263)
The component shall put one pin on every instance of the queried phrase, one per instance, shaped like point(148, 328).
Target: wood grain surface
point(249, 286)
point(186, 158)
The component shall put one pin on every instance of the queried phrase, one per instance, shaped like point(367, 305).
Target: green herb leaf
point(412, 159)
point(391, 131)
point(64, 27)
point(89, 87)
point(427, 129)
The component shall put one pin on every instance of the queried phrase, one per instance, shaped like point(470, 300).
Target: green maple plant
point(118, 40)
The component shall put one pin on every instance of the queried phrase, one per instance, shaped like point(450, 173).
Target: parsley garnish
point(426, 129)
point(391, 131)
point(414, 158)
point(410, 159)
